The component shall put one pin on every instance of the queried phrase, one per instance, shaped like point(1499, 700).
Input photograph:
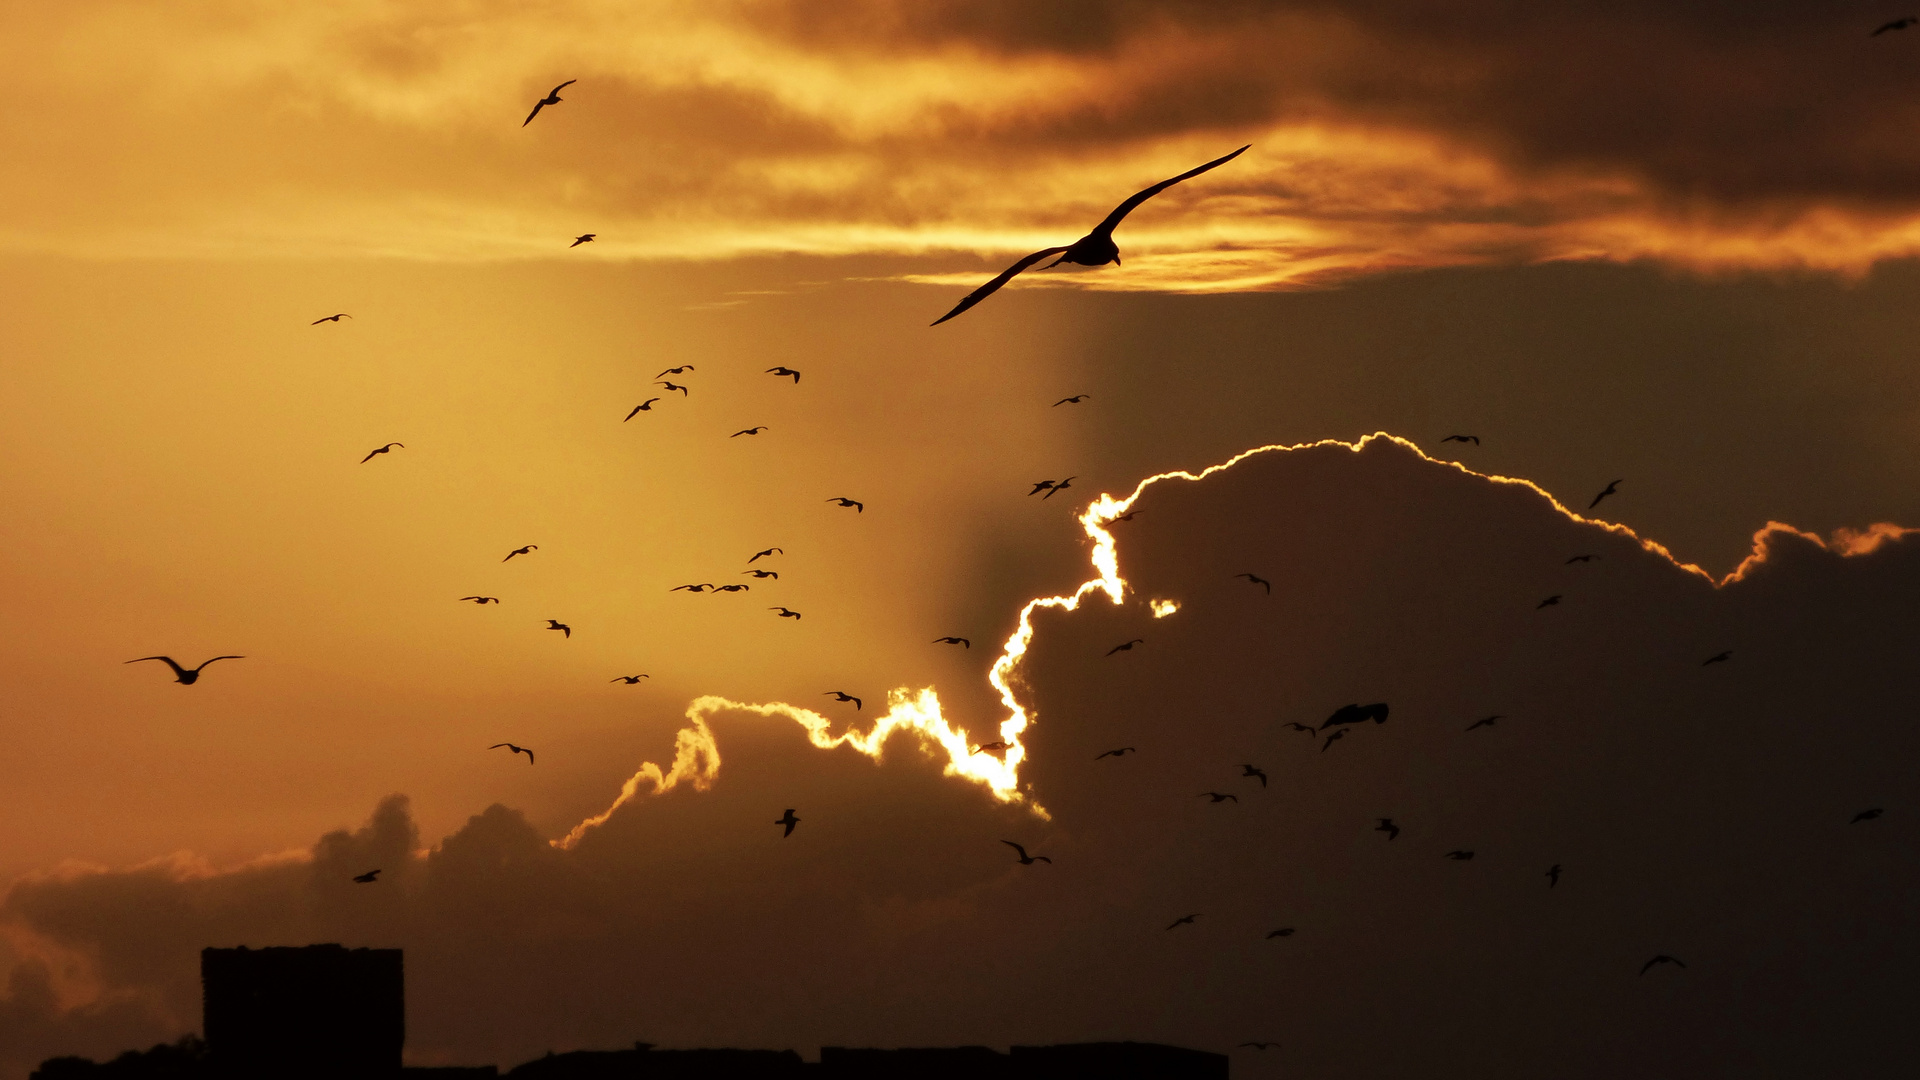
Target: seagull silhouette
point(1217, 797)
point(1387, 826)
point(1663, 958)
point(552, 98)
point(1897, 24)
point(1459, 856)
point(1329, 743)
point(682, 369)
point(1285, 931)
point(630, 680)
point(645, 406)
point(1553, 875)
point(1056, 489)
point(763, 574)
point(1611, 489)
point(481, 600)
point(1267, 1045)
point(1074, 400)
point(858, 506)
point(330, 318)
point(783, 372)
point(367, 878)
point(1718, 658)
point(960, 641)
point(1254, 579)
point(789, 821)
point(748, 431)
point(1121, 752)
point(556, 624)
point(1581, 558)
point(1357, 714)
point(702, 587)
point(387, 449)
point(731, 588)
point(672, 386)
point(1485, 721)
point(1867, 815)
point(512, 749)
point(1550, 601)
point(583, 238)
point(1094, 249)
point(1250, 771)
point(1026, 859)
point(1474, 439)
point(1040, 486)
point(842, 695)
point(758, 555)
point(785, 613)
point(991, 747)
point(528, 550)
point(1185, 920)
point(1301, 727)
point(1128, 516)
point(1126, 646)
point(185, 676)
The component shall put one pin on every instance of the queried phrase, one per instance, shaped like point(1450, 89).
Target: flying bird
point(185, 676)
point(481, 600)
point(1254, 579)
point(842, 695)
point(731, 588)
point(1611, 489)
point(367, 878)
point(783, 372)
point(960, 641)
point(1553, 875)
point(672, 386)
point(1718, 658)
point(992, 747)
point(1474, 439)
point(1185, 920)
point(387, 449)
point(1217, 797)
point(528, 550)
point(583, 238)
point(1128, 516)
point(858, 506)
point(1026, 859)
point(1485, 721)
point(1126, 646)
point(512, 749)
point(1550, 601)
point(1074, 400)
point(330, 318)
point(763, 554)
point(1265, 1045)
point(1247, 771)
point(702, 587)
point(1663, 958)
point(1121, 752)
point(785, 613)
point(1040, 486)
point(552, 98)
point(1356, 714)
point(556, 624)
point(682, 369)
point(1302, 727)
point(1387, 826)
point(1459, 856)
point(762, 574)
point(1581, 558)
point(1094, 249)
point(1285, 931)
point(789, 821)
point(1867, 815)
point(748, 431)
point(1324, 746)
point(645, 406)
point(630, 680)
point(1056, 489)
point(1897, 24)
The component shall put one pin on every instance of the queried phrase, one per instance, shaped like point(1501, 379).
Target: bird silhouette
point(1074, 400)
point(556, 624)
point(552, 98)
point(1217, 796)
point(1185, 920)
point(481, 600)
point(1551, 601)
point(1553, 875)
point(1387, 826)
point(1128, 516)
point(185, 676)
point(1120, 752)
point(1247, 771)
point(785, 613)
point(858, 506)
point(1026, 859)
point(758, 555)
point(763, 574)
point(1459, 856)
point(1718, 658)
point(1261, 1045)
point(1474, 439)
point(387, 449)
point(783, 372)
point(1581, 558)
point(748, 431)
point(1356, 714)
point(583, 238)
point(731, 588)
point(1612, 488)
point(992, 747)
point(528, 550)
point(330, 318)
point(1094, 249)
point(672, 386)
point(1126, 646)
point(842, 695)
point(702, 587)
point(682, 369)
point(1330, 740)
point(960, 641)
point(645, 406)
point(1285, 931)
point(1040, 486)
point(367, 878)
point(1485, 721)
point(630, 680)
point(1663, 958)
point(1301, 727)
point(1057, 488)
point(512, 749)
point(1867, 815)
point(1897, 24)
point(789, 821)
point(1254, 579)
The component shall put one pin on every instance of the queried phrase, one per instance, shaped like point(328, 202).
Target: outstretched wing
point(205, 663)
point(177, 669)
point(537, 106)
point(1016, 847)
point(993, 286)
point(1119, 212)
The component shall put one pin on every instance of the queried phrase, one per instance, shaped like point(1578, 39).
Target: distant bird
point(1485, 721)
point(1387, 826)
point(1357, 714)
point(556, 624)
point(1026, 859)
point(748, 431)
point(758, 555)
point(789, 821)
point(783, 372)
point(1663, 958)
point(1581, 558)
point(1056, 489)
point(1285, 931)
point(1302, 727)
point(1094, 249)
point(1256, 580)
point(387, 449)
point(1264, 1045)
point(1612, 488)
point(1128, 516)
point(1217, 796)
point(702, 587)
point(1074, 400)
point(367, 878)
point(1039, 486)
point(552, 98)
point(672, 386)
point(1330, 740)
point(1248, 771)
point(512, 749)
point(330, 318)
point(992, 747)
point(1126, 646)
point(785, 613)
point(858, 506)
point(960, 641)
point(682, 369)
point(185, 676)
point(1120, 752)
point(842, 695)
point(763, 574)
point(1459, 856)
point(1551, 601)
point(583, 238)
point(630, 680)
point(1474, 439)
point(481, 600)
point(1185, 920)
point(731, 588)
point(528, 550)
point(645, 406)
point(1553, 875)
point(1718, 658)
point(1897, 24)
point(1867, 815)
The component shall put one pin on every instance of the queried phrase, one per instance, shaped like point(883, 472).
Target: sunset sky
point(1674, 246)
